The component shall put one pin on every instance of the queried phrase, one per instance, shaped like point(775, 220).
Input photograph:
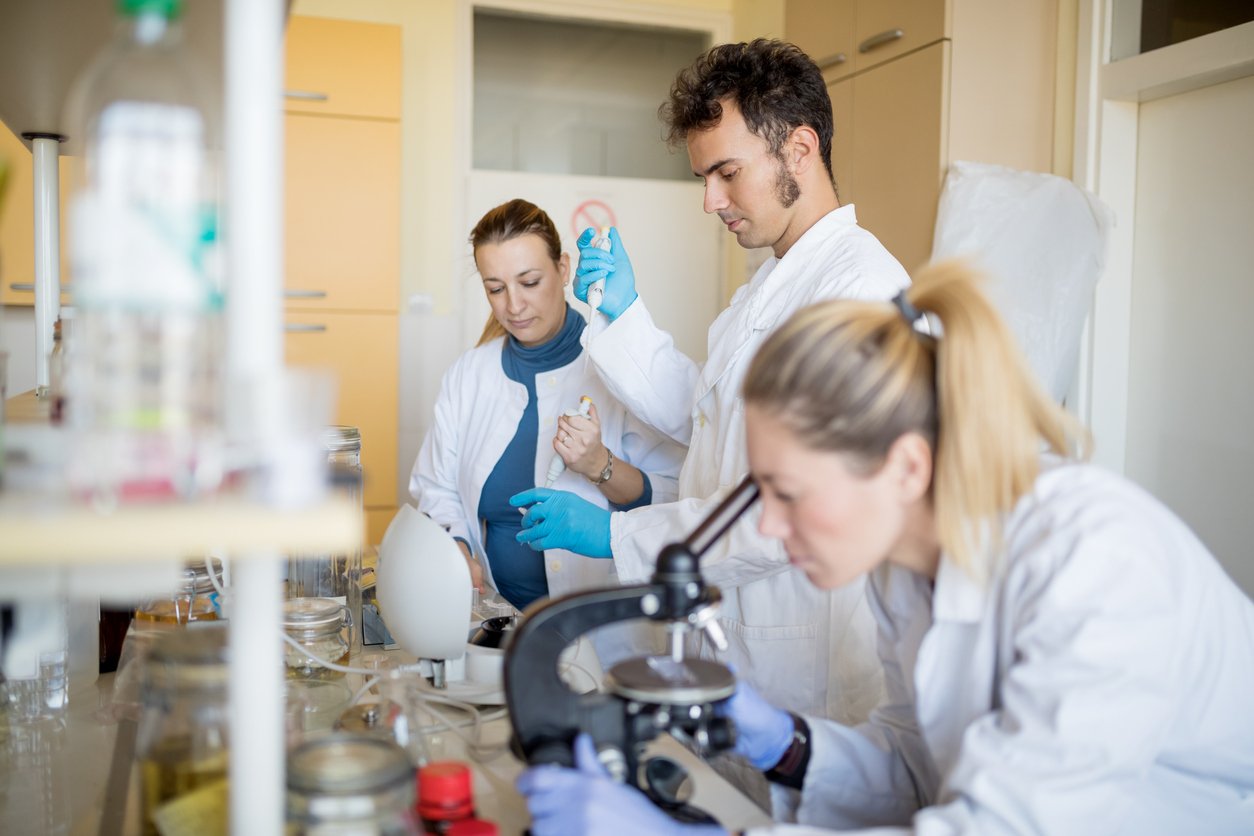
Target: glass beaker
point(317, 625)
point(336, 576)
point(182, 743)
point(345, 783)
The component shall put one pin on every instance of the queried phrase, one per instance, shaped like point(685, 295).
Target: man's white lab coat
point(1101, 682)
point(804, 649)
point(477, 415)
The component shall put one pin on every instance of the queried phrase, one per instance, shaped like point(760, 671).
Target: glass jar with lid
point(196, 598)
point(350, 784)
point(317, 625)
point(182, 743)
point(338, 575)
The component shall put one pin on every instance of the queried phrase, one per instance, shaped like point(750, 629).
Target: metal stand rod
point(47, 250)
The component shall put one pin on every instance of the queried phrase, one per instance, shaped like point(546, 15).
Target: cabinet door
point(17, 222)
point(342, 191)
point(361, 350)
point(824, 30)
point(842, 138)
point(343, 67)
point(898, 150)
point(878, 22)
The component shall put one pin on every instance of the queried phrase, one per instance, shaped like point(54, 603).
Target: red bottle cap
point(444, 791)
point(473, 827)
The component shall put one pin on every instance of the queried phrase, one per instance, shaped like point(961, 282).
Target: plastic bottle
point(444, 795)
point(142, 377)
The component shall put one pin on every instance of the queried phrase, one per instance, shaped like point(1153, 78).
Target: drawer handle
point(832, 60)
point(305, 95)
point(304, 294)
point(303, 328)
point(29, 287)
point(885, 37)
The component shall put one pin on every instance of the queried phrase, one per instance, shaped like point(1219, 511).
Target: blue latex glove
point(585, 801)
point(763, 732)
point(613, 266)
point(561, 520)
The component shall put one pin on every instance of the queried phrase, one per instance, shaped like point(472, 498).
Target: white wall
point(1191, 375)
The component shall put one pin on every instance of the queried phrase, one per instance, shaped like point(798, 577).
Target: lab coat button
point(555, 566)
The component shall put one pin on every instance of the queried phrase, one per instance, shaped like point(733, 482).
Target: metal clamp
point(885, 37)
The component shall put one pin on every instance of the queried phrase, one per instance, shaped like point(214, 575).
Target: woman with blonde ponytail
point(1061, 654)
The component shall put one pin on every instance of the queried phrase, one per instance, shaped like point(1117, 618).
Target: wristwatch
point(607, 472)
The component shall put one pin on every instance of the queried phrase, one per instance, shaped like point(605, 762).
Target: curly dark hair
point(776, 86)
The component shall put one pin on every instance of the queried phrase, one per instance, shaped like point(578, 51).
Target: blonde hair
point(513, 219)
point(853, 377)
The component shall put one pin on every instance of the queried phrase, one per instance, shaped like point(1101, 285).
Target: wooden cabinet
point(17, 223)
point(343, 67)
point(342, 236)
point(964, 80)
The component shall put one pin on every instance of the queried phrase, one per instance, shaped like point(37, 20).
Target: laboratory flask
point(183, 736)
point(343, 784)
point(337, 575)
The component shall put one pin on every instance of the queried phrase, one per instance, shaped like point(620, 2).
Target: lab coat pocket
point(781, 662)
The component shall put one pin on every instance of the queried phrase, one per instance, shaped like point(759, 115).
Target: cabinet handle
point(305, 95)
point(29, 287)
point(885, 37)
point(304, 294)
point(832, 60)
point(303, 328)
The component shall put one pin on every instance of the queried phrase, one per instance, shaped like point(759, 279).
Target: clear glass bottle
point(143, 229)
point(182, 743)
point(317, 625)
point(336, 576)
point(345, 784)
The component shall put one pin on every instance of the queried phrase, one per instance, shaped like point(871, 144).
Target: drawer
point(361, 352)
point(885, 29)
point(342, 67)
point(343, 206)
point(824, 30)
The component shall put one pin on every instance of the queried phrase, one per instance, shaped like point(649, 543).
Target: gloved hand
point(763, 732)
point(584, 800)
point(613, 266)
point(562, 520)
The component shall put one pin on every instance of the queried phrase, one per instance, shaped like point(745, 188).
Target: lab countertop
point(76, 775)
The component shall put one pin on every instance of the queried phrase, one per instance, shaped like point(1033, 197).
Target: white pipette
point(557, 465)
point(596, 291)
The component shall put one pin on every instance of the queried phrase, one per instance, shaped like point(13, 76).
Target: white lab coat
point(477, 415)
point(804, 649)
point(1101, 682)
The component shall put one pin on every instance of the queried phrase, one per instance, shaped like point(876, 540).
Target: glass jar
point(195, 600)
point(317, 625)
point(336, 576)
point(350, 784)
point(182, 740)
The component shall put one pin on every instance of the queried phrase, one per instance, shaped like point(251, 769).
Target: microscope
point(644, 696)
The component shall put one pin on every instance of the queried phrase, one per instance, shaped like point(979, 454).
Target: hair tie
point(908, 312)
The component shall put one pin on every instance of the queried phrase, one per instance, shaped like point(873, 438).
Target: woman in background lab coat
point(500, 420)
point(1061, 654)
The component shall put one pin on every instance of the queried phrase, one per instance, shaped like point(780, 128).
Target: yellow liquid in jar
point(177, 611)
point(300, 666)
point(170, 772)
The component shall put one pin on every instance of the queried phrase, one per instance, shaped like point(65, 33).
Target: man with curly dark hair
point(757, 123)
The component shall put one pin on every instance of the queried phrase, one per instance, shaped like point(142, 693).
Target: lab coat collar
point(773, 294)
point(958, 596)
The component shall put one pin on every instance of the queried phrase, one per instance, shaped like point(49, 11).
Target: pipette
point(557, 465)
point(596, 291)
